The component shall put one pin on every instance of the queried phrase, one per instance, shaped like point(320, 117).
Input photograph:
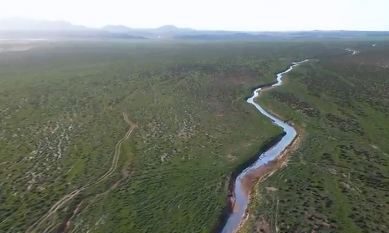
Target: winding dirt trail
point(118, 146)
point(65, 199)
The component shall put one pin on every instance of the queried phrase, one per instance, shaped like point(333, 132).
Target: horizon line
point(175, 26)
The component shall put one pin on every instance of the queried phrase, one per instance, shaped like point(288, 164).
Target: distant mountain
point(167, 28)
point(221, 36)
point(116, 29)
point(15, 28)
point(22, 28)
point(165, 32)
point(18, 24)
point(173, 29)
point(298, 35)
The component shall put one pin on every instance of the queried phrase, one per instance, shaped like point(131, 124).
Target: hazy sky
point(210, 14)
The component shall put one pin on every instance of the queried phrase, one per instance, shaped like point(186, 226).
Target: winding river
point(241, 198)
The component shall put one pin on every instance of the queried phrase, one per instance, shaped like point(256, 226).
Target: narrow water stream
point(240, 195)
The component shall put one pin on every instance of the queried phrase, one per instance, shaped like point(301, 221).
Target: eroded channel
point(240, 192)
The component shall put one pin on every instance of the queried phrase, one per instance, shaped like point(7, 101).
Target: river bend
point(241, 198)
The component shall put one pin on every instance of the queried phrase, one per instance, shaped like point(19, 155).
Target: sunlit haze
point(250, 15)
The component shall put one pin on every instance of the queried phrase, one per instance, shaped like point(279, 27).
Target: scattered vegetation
point(338, 180)
point(62, 110)
point(61, 115)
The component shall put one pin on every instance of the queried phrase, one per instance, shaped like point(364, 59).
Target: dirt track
point(65, 199)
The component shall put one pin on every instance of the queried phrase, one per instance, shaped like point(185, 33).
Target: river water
point(241, 197)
